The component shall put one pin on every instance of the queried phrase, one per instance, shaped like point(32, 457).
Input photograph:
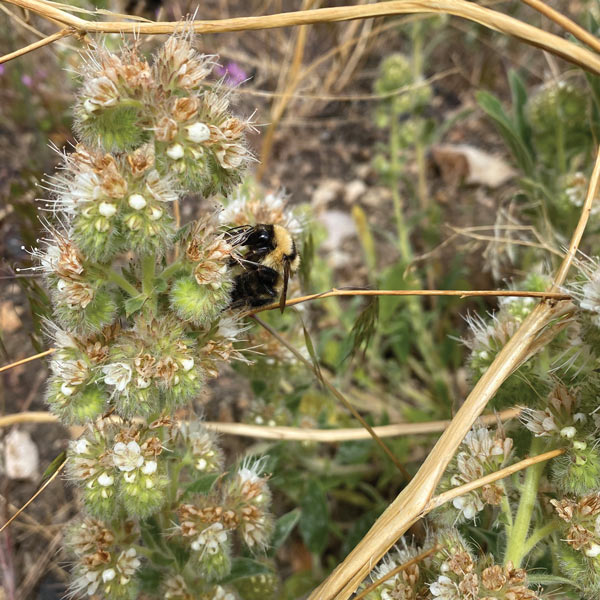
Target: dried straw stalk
point(461, 8)
point(299, 434)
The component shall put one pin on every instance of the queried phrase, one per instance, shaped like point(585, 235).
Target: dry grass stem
point(586, 211)
point(299, 434)
point(567, 24)
point(440, 499)
point(39, 44)
point(26, 360)
point(460, 8)
point(42, 488)
point(396, 570)
point(460, 293)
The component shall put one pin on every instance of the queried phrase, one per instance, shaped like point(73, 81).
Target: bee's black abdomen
point(255, 287)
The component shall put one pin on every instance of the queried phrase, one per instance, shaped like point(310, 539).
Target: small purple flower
point(26, 80)
point(2, 69)
point(234, 74)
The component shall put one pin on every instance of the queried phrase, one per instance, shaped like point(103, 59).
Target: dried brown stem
point(579, 32)
point(42, 488)
point(461, 8)
point(39, 44)
point(292, 433)
point(396, 570)
point(26, 360)
point(440, 499)
point(460, 293)
point(460, 490)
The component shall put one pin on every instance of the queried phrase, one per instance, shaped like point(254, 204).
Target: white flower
point(198, 132)
point(445, 589)
point(128, 562)
point(80, 446)
point(175, 151)
point(149, 467)
point(155, 214)
point(106, 209)
point(593, 550)
point(137, 201)
point(67, 390)
point(187, 363)
point(106, 480)
point(127, 457)
point(469, 505)
point(211, 539)
point(568, 432)
point(117, 375)
point(108, 575)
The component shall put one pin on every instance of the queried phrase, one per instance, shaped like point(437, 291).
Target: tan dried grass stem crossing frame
point(487, 17)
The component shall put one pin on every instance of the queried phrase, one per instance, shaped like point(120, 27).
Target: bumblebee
point(269, 260)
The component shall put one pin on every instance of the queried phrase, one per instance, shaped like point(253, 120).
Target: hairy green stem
point(169, 271)
point(516, 548)
point(403, 241)
point(117, 278)
point(537, 535)
point(148, 264)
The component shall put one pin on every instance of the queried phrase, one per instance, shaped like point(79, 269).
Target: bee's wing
point(286, 276)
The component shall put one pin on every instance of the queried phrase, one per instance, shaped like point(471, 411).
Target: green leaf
point(509, 131)
point(311, 351)
point(202, 485)
point(314, 522)
point(365, 326)
point(149, 578)
point(365, 236)
point(283, 527)
point(152, 534)
point(306, 264)
point(245, 567)
point(519, 100)
point(134, 304)
point(53, 467)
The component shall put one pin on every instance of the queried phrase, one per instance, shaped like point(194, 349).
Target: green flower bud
point(98, 236)
point(200, 304)
point(213, 558)
point(265, 586)
point(142, 490)
point(112, 129)
point(148, 231)
point(578, 471)
point(96, 314)
point(76, 405)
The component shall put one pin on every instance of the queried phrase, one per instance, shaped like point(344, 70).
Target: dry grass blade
point(459, 293)
point(487, 479)
point(415, 497)
point(26, 360)
point(300, 434)
point(567, 24)
point(460, 8)
point(39, 44)
point(42, 488)
point(396, 570)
